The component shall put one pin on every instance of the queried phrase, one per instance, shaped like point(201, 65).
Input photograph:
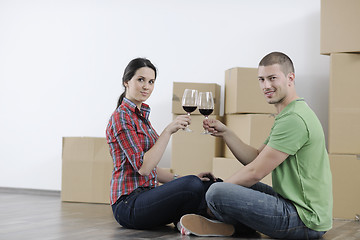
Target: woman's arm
point(153, 156)
point(165, 176)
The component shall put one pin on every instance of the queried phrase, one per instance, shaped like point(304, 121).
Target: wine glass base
point(187, 130)
point(206, 133)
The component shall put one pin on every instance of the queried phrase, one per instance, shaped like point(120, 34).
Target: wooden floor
point(40, 215)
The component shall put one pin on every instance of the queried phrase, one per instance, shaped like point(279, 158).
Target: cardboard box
point(226, 167)
point(340, 26)
point(344, 104)
point(193, 152)
point(86, 170)
point(345, 172)
point(252, 129)
point(178, 91)
point(243, 93)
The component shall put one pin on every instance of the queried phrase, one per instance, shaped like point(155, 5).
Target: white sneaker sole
point(203, 227)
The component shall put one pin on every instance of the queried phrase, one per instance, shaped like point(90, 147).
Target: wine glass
point(206, 105)
point(189, 103)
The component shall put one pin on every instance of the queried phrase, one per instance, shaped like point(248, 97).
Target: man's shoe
point(203, 227)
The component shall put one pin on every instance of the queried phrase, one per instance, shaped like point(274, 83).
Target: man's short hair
point(280, 58)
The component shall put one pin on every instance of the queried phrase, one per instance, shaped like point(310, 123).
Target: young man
point(299, 205)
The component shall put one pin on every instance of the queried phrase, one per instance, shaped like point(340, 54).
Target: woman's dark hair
point(130, 71)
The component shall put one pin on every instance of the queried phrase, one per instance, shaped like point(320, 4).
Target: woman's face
point(140, 86)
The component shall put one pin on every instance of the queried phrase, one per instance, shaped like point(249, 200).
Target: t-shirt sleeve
point(289, 134)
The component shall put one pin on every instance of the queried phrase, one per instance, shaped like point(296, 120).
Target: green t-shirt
point(304, 177)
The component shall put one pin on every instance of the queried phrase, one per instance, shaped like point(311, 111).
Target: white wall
point(61, 64)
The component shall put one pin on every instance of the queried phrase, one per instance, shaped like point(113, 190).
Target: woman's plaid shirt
point(129, 135)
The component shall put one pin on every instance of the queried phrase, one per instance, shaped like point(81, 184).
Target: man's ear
point(291, 78)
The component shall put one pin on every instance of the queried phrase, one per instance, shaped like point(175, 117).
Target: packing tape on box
point(175, 98)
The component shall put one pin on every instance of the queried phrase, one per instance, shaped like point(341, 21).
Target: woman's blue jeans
point(147, 208)
point(258, 208)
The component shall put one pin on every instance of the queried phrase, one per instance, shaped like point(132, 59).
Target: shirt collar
point(145, 109)
point(290, 106)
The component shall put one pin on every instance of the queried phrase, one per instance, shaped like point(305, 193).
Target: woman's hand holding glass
point(180, 122)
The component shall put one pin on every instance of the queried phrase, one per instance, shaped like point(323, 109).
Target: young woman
point(137, 200)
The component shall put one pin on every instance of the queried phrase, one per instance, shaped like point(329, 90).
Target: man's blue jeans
point(147, 208)
point(258, 208)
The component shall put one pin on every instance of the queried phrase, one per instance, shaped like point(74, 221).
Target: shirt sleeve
point(289, 134)
point(127, 136)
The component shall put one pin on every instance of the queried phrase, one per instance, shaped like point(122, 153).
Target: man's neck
point(280, 106)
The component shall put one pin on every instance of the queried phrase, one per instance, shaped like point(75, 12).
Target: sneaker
point(203, 227)
point(182, 230)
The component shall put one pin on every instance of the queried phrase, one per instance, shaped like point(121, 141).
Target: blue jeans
point(258, 208)
point(147, 208)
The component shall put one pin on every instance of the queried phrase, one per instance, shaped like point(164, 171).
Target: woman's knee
point(192, 183)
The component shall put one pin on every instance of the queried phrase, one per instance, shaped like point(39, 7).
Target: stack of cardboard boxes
point(340, 38)
point(247, 114)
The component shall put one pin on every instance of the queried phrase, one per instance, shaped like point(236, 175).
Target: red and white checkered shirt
point(129, 135)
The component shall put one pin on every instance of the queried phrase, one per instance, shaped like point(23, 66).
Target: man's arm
point(242, 151)
point(267, 160)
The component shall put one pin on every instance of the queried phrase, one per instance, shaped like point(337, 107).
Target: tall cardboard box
point(346, 192)
point(226, 167)
point(193, 152)
point(344, 104)
point(178, 91)
point(252, 129)
point(340, 30)
point(86, 170)
point(243, 93)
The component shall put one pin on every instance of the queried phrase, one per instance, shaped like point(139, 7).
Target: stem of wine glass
point(187, 129)
point(206, 131)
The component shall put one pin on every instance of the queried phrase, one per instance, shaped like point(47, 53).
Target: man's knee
point(214, 192)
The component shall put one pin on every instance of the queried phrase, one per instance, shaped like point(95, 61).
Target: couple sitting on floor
point(298, 206)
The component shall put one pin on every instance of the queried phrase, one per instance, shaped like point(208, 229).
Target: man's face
point(273, 83)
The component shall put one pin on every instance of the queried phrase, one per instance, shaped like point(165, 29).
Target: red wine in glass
point(206, 112)
point(189, 109)
point(189, 103)
point(206, 105)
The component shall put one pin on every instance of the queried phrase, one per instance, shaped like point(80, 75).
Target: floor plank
point(41, 216)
